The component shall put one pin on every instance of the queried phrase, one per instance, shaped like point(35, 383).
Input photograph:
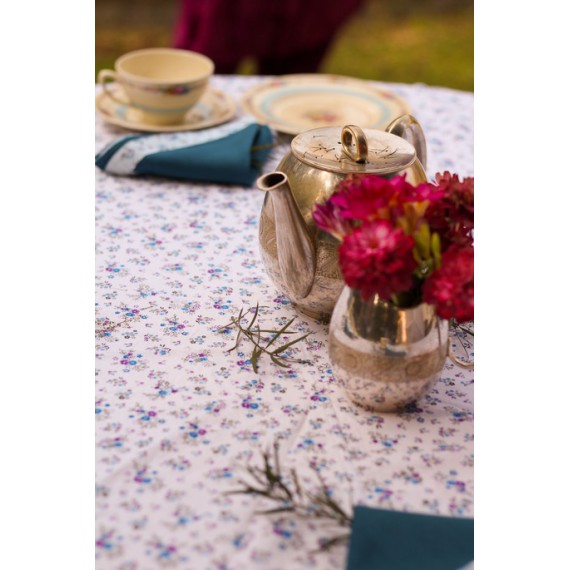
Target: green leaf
point(295, 500)
point(254, 316)
point(254, 358)
point(436, 249)
point(276, 510)
point(279, 332)
point(417, 257)
point(272, 331)
point(286, 346)
point(422, 238)
point(276, 360)
point(253, 332)
point(329, 542)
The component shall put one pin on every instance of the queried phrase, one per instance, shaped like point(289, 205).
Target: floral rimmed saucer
point(295, 103)
point(214, 108)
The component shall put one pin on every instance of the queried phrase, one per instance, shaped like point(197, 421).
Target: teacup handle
point(103, 78)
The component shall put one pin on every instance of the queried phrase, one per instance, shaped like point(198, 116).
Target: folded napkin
point(390, 540)
point(230, 154)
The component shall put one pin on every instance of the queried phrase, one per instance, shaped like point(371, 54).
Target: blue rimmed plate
point(293, 104)
point(214, 108)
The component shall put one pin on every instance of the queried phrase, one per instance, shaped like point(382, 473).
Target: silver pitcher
point(300, 258)
point(385, 357)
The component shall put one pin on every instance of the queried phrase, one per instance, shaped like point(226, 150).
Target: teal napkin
point(390, 540)
point(230, 154)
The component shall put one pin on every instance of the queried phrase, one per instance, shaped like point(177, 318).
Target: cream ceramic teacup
point(162, 83)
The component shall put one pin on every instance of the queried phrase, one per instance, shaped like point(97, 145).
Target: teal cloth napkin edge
point(239, 154)
point(393, 540)
point(200, 162)
point(103, 157)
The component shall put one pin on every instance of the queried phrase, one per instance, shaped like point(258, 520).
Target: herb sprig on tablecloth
point(271, 483)
point(263, 340)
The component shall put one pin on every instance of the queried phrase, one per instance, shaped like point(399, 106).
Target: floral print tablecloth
point(178, 417)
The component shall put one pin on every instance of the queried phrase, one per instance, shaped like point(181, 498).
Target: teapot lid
point(350, 149)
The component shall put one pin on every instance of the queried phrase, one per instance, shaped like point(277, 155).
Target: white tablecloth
point(178, 417)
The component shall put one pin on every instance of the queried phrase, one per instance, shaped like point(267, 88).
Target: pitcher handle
point(455, 360)
point(408, 128)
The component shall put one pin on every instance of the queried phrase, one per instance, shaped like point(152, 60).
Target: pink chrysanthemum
point(371, 197)
point(363, 198)
point(406, 192)
point(451, 288)
point(393, 234)
point(377, 258)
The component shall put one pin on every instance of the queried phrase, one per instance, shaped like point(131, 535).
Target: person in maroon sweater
point(283, 36)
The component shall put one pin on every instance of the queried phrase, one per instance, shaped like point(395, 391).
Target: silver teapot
point(300, 258)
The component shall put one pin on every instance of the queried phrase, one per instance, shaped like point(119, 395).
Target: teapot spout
point(296, 250)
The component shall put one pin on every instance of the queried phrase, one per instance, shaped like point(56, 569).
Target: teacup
point(162, 83)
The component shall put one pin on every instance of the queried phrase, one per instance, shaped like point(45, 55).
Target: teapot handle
point(408, 128)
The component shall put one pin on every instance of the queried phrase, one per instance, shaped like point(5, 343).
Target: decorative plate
point(213, 108)
point(295, 103)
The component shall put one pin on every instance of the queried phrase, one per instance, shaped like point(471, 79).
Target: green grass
point(431, 48)
point(426, 41)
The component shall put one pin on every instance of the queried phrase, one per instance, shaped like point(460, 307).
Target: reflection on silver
point(385, 357)
point(301, 259)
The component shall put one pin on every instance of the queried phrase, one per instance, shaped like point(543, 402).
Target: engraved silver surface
point(385, 357)
point(323, 148)
point(301, 259)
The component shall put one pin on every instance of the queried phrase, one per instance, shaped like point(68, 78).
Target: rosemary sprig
point(262, 339)
point(270, 482)
point(468, 331)
point(455, 325)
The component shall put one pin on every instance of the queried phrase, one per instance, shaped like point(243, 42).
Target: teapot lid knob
point(352, 133)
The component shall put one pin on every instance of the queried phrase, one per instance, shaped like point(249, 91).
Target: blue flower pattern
point(178, 416)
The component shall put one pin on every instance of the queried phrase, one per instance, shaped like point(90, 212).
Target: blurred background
point(408, 41)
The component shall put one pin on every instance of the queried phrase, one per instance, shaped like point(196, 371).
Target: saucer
point(292, 104)
point(213, 108)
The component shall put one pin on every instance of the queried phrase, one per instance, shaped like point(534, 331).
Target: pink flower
point(451, 288)
point(377, 258)
point(362, 198)
point(452, 215)
point(394, 233)
point(370, 197)
point(327, 217)
point(406, 192)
